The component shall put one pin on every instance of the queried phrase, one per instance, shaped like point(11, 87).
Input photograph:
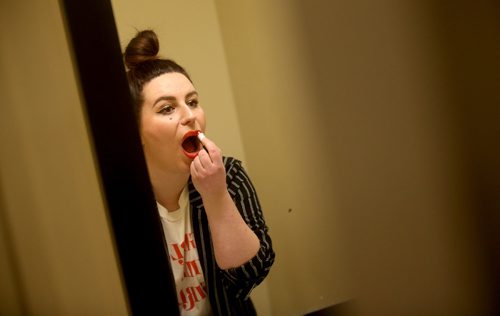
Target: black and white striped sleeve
point(243, 279)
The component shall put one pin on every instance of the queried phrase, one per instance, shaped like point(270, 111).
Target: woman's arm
point(233, 241)
point(251, 263)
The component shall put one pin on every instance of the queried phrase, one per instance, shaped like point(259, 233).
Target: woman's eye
point(167, 109)
point(193, 103)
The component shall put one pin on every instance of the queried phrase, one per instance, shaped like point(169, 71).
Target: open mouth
point(191, 144)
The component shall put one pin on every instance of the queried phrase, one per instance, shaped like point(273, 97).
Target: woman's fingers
point(196, 167)
point(207, 170)
point(202, 159)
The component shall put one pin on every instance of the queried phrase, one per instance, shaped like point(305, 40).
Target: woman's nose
point(188, 115)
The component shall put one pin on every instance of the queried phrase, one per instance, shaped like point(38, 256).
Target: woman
point(213, 224)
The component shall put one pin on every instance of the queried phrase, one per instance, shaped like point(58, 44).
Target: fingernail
point(201, 136)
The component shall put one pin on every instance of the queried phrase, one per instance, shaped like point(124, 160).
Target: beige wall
point(348, 129)
point(283, 126)
point(57, 256)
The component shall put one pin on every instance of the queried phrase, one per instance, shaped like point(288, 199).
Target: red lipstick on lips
point(190, 144)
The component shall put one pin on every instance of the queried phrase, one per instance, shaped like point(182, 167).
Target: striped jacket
point(229, 290)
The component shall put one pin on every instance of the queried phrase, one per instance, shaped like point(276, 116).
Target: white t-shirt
point(189, 281)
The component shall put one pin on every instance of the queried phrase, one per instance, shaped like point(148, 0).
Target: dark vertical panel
point(468, 38)
point(130, 200)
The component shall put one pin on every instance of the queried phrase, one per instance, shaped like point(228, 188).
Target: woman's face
point(169, 112)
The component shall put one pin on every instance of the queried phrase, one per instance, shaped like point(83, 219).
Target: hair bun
point(143, 47)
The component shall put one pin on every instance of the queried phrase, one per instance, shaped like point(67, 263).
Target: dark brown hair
point(144, 64)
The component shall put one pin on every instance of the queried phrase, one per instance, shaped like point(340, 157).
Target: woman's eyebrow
point(164, 98)
point(190, 94)
point(172, 98)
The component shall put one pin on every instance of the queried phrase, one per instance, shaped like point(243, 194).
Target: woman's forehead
point(172, 84)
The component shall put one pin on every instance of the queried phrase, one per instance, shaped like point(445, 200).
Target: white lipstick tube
point(201, 136)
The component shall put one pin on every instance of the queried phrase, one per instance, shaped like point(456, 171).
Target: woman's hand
point(208, 172)
point(234, 242)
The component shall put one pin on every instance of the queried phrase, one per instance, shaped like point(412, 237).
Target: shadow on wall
point(414, 125)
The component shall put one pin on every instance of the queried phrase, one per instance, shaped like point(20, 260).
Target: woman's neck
point(168, 188)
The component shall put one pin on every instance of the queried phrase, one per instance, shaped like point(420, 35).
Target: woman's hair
point(143, 64)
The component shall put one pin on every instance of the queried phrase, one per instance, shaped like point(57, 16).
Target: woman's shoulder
point(230, 162)
point(233, 167)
